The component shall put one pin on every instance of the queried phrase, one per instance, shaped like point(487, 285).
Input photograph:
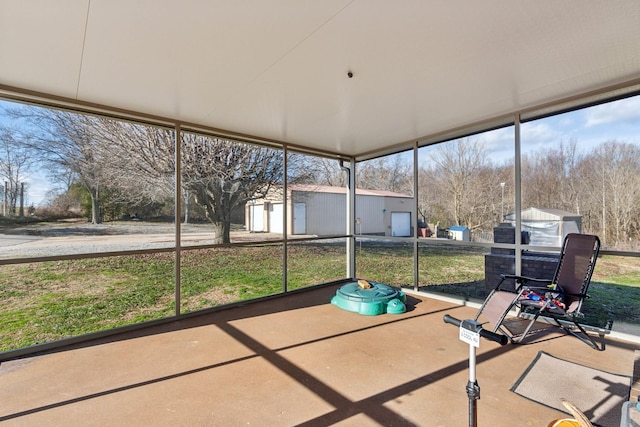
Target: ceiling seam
point(294, 47)
point(84, 41)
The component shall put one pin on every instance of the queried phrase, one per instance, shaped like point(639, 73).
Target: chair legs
point(497, 306)
point(582, 334)
point(569, 326)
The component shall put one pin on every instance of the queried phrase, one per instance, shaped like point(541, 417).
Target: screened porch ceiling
point(278, 70)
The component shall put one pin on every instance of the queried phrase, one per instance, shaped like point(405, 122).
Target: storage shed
point(320, 210)
point(547, 227)
point(459, 232)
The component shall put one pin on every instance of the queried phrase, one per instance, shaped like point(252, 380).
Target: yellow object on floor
point(564, 422)
point(580, 419)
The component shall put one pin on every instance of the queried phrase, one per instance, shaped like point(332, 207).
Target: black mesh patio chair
point(515, 312)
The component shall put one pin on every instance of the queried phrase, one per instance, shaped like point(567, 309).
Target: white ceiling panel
point(178, 59)
point(41, 44)
point(278, 69)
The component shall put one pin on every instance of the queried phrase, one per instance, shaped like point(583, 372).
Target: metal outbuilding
point(547, 227)
point(319, 210)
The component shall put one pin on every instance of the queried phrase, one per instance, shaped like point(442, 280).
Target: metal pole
point(518, 194)
point(502, 202)
point(472, 332)
point(21, 210)
point(351, 216)
point(473, 389)
point(178, 215)
point(285, 219)
point(416, 243)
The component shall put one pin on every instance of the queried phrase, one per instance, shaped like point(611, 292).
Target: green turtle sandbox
point(377, 299)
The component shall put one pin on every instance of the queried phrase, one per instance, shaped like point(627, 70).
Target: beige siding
point(372, 211)
point(325, 212)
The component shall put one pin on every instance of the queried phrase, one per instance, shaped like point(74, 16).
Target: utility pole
point(502, 184)
point(604, 210)
point(4, 203)
point(22, 199)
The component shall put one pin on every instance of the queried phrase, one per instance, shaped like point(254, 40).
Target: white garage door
point(257, 218)
point(299, 218)
point(275, 218)
point(401, 224)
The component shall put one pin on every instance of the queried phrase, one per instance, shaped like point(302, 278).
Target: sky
point(36, 181)
point(589, 127)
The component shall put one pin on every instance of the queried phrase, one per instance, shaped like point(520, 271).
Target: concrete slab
point(294, 360)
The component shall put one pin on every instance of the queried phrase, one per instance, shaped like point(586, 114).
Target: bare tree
point(304, 169)
point(610, 188)
point(68, 141)
point(136, 163)
point(549, 178)
point(463, 173)
point(224, 175)
point(219, 174)
point(139, 162)
point(15, 163)
point(391, 173)
point(427, 196)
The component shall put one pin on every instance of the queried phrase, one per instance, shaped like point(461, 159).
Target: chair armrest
point(584, 296)
point(523, 280)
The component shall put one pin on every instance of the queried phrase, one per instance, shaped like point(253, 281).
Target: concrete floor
point(295, 360)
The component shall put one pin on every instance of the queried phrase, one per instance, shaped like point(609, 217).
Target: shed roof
point(543, 214)
point(343, 190)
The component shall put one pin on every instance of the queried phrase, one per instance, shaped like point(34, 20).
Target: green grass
point(53, 300)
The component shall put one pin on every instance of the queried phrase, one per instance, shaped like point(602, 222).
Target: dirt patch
point(213, 297)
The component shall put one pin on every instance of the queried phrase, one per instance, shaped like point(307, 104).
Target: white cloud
point(621, 111)
point(497, 137)
point(539, 133)
point(499, 143)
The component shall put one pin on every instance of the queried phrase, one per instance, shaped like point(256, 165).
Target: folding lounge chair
point(559, 300)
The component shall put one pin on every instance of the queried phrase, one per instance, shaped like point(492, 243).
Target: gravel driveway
point(54, 239)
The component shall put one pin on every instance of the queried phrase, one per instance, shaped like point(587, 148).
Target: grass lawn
point(48, 301)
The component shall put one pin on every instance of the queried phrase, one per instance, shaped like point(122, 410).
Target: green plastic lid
point(378, 299)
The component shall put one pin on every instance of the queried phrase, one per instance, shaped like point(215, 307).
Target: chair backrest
point(575, 267)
